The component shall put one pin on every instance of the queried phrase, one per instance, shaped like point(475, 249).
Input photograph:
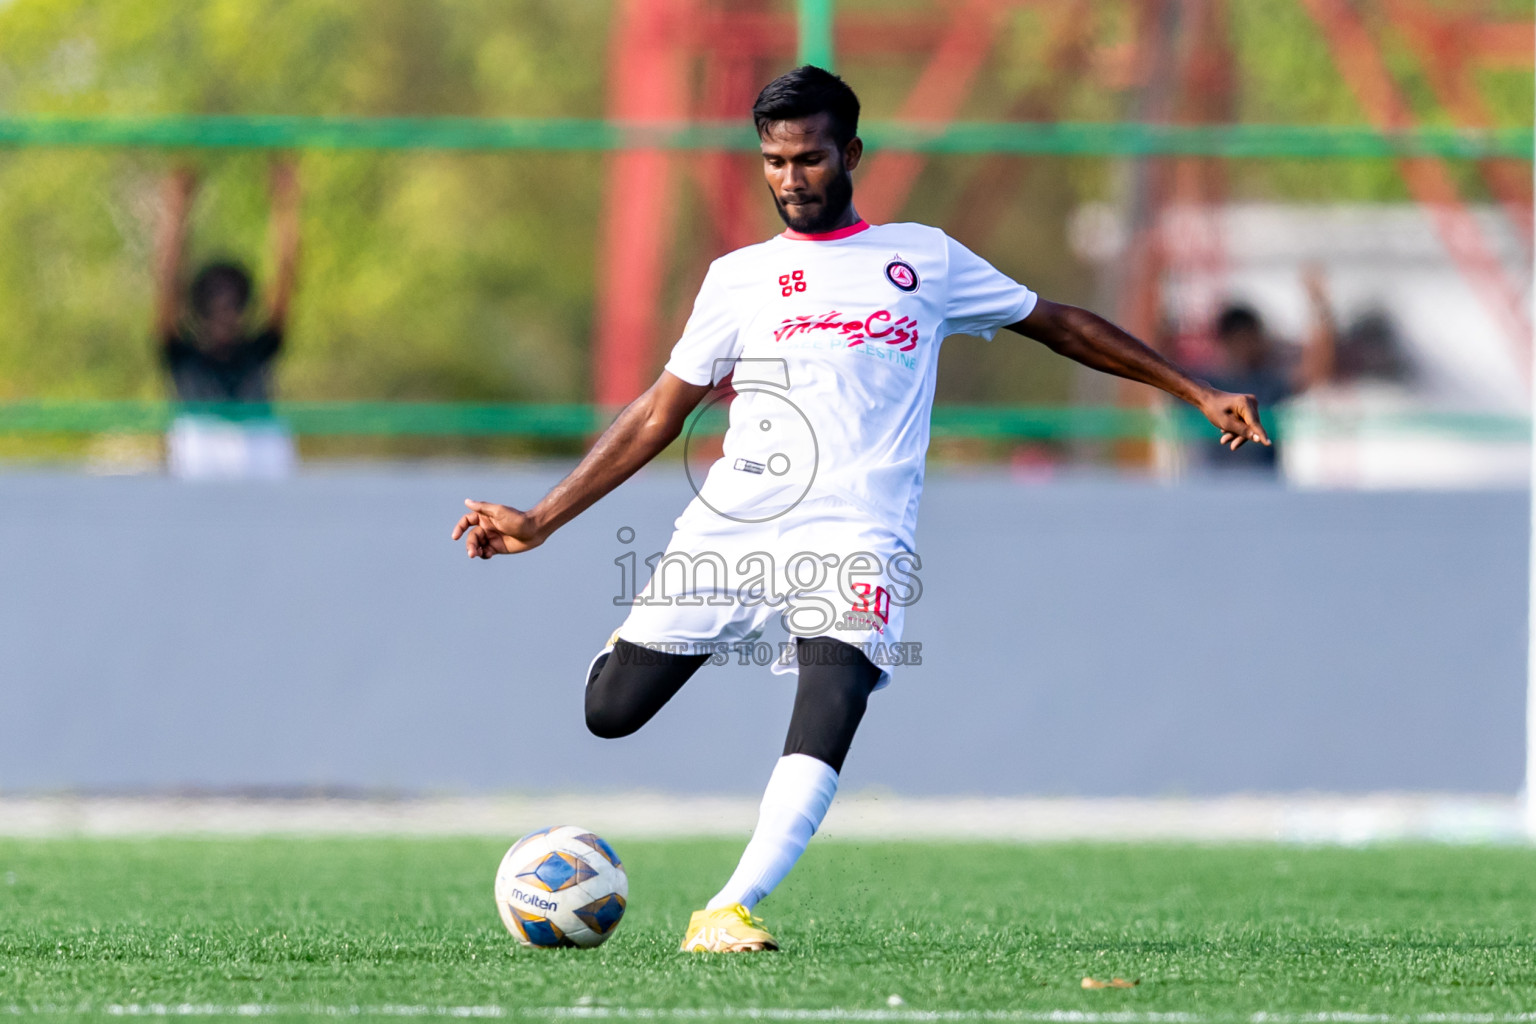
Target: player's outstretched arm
point(645, 427)
point(170, 240)
point(285, 240)
point(1095, 342)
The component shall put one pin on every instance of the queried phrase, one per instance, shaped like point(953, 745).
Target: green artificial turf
point(407, 926)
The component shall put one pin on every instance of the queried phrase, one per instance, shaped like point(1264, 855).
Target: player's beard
point(835, 203)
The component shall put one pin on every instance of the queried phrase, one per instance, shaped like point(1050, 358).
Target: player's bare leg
point(835, 683)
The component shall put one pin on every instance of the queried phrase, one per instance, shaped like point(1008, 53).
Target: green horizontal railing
point(576, 421)
point(314, 419)
point(1071, 138)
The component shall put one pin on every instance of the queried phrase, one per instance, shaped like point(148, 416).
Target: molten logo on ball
point(580, 888)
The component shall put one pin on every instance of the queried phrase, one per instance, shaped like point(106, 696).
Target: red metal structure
point(675, 60)
point(1358, 55)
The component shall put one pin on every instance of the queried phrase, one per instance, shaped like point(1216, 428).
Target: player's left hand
point(1236, 416)
point(490, 529)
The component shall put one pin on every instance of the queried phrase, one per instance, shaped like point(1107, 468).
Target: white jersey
point(832, 344)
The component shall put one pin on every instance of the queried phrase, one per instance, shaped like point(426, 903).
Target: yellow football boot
point(730, 929)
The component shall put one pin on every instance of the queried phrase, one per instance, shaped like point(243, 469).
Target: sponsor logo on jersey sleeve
point(902, 274)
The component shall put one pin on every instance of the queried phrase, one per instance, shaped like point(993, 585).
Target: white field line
point(1307, 818)
point(897, 1014)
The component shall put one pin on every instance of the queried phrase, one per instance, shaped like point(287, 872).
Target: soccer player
point(830, 333)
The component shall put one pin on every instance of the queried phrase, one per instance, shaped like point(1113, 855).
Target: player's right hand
point(490, 529)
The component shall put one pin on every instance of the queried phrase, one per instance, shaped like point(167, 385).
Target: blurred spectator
point(1371, 349)
point(212, 354)
point(212, 349)
point(1356, 430)
point(1253, 363)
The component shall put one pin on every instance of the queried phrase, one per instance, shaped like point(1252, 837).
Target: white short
point(823, 569)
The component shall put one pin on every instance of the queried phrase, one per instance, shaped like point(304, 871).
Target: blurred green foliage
point(470, 277)
point(423, 276)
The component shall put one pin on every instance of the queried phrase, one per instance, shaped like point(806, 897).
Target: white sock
point(798, 795)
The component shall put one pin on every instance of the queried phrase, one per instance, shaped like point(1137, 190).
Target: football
point(561, 886)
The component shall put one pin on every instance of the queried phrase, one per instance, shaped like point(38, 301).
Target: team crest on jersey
point(901, 274)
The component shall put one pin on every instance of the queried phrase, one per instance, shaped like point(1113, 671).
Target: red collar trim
point(827, 236)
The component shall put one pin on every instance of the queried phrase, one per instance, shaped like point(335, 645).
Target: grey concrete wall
point(1078, 638)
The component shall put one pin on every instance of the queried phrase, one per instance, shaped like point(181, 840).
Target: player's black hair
point(806, 92)
point(1236, 319)
point(216, 277)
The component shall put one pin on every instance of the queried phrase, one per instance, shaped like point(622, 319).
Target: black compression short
point(631, 683)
